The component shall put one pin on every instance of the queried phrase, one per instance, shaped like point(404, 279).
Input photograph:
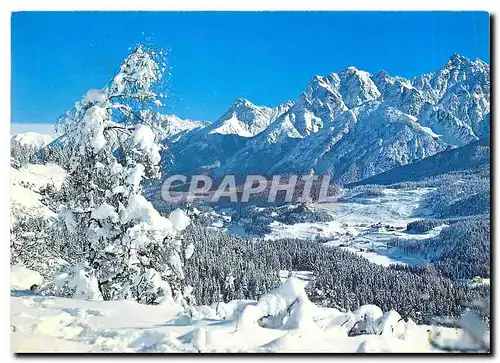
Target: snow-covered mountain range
point(31, 140)
point(169, 125)
point(473, 156)
point(245, 119)
point(353, 124)
point(210, 147)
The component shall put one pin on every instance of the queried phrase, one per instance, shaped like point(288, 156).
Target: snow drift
point(283, 320)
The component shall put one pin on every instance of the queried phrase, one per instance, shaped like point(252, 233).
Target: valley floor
point(53, 324)
point(364, 225)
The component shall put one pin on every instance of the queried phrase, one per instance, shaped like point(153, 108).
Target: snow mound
point(368, 311)
point(286, 307)
point(77, 279)
point(282, 321)
point(384, 345)
point(22, 278)
point(391, 324)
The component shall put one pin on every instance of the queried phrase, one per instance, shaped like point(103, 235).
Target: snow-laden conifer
point(109, 229)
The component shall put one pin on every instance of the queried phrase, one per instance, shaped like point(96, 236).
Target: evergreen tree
point(110, 229)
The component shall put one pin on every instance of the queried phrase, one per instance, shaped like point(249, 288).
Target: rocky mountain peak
point(357, 124)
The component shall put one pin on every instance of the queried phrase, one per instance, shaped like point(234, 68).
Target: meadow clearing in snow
point(364, 225)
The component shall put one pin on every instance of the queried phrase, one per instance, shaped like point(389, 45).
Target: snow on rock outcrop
point(398, 92)
point(357, 87)
point(462, 89)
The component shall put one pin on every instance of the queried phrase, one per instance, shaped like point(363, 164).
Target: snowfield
point(283, 320)
point(365, 224)
point(38, 176)
point(32, 140)
point(26, 184)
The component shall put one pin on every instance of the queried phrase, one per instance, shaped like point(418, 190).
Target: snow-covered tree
point(21, 154)
point(111, 231)
point(32, 245)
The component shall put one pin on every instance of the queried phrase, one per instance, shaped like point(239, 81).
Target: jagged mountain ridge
point(355, 124)
point(246, 119)
point(169, 125)
point(352, 123)
point(207, 148)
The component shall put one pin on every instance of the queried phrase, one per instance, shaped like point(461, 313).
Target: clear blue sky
point(267, 57)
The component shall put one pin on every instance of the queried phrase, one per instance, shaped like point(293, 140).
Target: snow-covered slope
point(382, 137)
point(27, 184)
point(210, 147)
point(169, 126)
point(475, 155)
point(352, 123)
point(245, 119)
point(283, 320)
point(33, 140)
